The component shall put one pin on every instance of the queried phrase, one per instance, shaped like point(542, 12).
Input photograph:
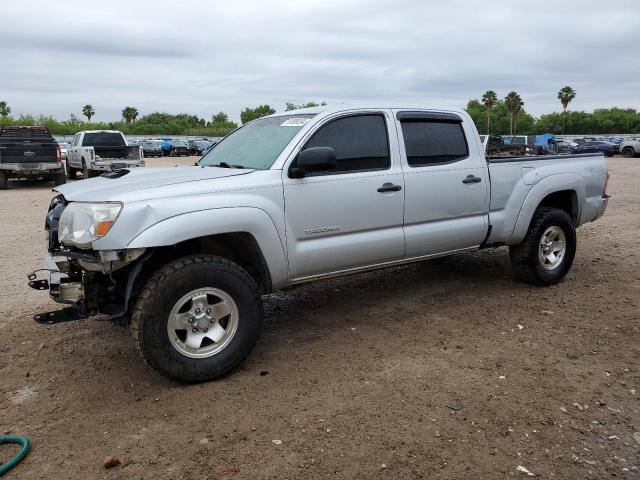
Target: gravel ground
point(445, 369)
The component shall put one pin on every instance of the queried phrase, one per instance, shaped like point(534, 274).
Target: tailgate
point(27, 152)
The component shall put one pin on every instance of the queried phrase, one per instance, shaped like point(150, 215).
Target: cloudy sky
point(203, 57)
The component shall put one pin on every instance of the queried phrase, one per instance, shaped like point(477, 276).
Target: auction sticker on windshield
point(294, 122)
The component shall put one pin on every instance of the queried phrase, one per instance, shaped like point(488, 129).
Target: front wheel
point(546, 254)
point(197, 318)
point(628, 152)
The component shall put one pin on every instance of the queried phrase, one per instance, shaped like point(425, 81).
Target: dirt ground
point(356, 377)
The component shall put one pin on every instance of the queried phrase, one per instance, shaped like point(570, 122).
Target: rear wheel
point(4, 181)
point(71, 172)
point(59, 178)
point(546, 254)
point(628, 152)
point(86, 173)
point(197, 318)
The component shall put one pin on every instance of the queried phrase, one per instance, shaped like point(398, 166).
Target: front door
point(350, 217)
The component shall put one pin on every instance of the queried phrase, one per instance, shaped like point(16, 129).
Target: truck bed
point(520, 183)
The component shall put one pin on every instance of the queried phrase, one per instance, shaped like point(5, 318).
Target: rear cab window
point(433, 139)
point(103, 139)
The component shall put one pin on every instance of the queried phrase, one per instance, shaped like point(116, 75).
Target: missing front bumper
point(61, 288)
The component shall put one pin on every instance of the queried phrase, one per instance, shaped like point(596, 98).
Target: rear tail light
point(58, 153)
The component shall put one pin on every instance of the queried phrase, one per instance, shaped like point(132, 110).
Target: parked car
point(166, 143)
point(64, 149)
point(564, 146)
point(608, 149)
point(179, 148)
point(29, 152)
point(95, 151)
point(151, 148)
point(198, 147)
point(630, 148)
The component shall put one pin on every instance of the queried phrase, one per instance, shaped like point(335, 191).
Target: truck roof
point(100, 131)
point(329, 109)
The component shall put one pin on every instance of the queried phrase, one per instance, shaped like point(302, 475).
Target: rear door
point(346, 219)
point(446, 183)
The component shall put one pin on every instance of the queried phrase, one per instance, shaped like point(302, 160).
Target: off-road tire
point(71, 172)
point(524, 256)
point(151, 309)
point(4, 181)
point(60, 177)
point(628, 152)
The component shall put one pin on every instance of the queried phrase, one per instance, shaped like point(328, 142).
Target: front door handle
point(389, 187)
point(471, 179)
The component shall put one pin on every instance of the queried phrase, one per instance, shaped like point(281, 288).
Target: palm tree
point(565, 95)
point(489, 99)
point(129, 114)
point(514, 104)
point(5, 109)
point(88, 112)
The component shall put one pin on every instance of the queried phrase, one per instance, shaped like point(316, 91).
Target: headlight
point(82, 223)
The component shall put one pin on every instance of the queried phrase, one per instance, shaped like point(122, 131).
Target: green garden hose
point(20, 440)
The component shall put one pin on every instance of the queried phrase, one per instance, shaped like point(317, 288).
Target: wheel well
point(239, 247)
point(566, 200)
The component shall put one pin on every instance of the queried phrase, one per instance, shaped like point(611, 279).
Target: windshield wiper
point(226, 165)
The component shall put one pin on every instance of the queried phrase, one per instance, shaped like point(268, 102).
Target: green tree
point(129, 114)
point(88, 111)
point(249, 114)
point(514, 104)
point(292, 106)
point(220, 124)
point(489, 99)
point(5, 109)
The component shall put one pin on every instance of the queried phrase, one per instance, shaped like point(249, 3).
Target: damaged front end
point(90, 282)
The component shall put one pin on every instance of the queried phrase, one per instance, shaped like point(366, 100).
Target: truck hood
point(141, 183)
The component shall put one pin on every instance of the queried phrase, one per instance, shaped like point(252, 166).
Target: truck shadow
point(30, 184)
point(329, 303)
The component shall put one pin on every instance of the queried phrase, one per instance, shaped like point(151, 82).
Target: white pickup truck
point(183, 255)
point(96, 151)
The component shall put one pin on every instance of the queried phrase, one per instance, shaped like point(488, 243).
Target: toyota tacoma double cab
point(94, 152)
point(29, 152)
point(630, 148)
point(183, 255)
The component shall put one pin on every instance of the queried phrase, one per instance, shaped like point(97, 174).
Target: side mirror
point(311, 160)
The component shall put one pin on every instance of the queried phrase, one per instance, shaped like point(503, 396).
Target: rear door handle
point(389, 187)
point(471, 179)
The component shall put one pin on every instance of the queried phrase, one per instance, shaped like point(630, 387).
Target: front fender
point(188, 226)
point(546, 186)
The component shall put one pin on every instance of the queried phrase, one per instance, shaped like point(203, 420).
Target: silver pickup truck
point(183, 254)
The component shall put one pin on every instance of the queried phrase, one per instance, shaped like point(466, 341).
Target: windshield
point(151, 144)
point(256, 144)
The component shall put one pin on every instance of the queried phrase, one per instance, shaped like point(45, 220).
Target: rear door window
point(432, 142)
